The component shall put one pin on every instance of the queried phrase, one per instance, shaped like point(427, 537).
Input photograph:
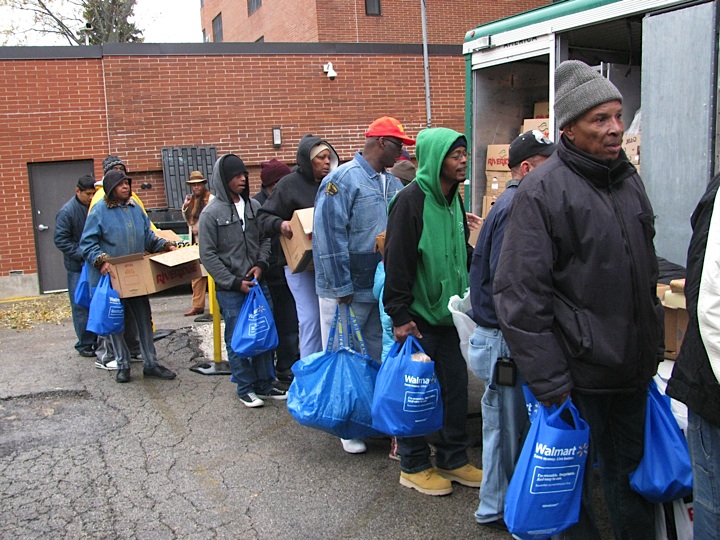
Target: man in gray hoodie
point(234, 251)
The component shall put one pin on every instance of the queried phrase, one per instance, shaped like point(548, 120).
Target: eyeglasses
point(458, 155)
point(398, 145)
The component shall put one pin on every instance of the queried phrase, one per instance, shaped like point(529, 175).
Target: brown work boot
point(467, 475)
point(428, 482)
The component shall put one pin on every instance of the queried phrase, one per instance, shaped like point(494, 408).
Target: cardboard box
point(541, 109)
point(497, 157)
point(169, 235)
point(474, 234)
point(631, 145)
point(498, 177)
point(676, 322)
point(138, 275)
point(298, 249)
point(541, 124)
point(488, 201)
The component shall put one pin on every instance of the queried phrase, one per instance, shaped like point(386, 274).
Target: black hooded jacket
point(575, 289)
point(295, 191)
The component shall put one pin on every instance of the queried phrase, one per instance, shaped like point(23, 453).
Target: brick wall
point(335, 21)
point(134, 105)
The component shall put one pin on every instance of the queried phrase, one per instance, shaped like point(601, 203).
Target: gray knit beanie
point(579, 88)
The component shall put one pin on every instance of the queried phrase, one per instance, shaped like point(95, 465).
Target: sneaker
point(251, 400)
point(274, 393)
point(394, 449)
point(110, 366)
point(87, 352)
point(467, 475)
point(137, 357)
point(427, 482)
point(353, 446)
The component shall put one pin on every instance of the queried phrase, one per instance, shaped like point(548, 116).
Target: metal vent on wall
point(178, 162)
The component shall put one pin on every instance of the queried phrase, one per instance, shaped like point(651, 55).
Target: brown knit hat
point(272, 171)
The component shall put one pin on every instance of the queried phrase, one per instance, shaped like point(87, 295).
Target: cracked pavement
point(84, 457)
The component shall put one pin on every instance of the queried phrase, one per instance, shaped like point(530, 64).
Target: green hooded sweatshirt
point(426, 246)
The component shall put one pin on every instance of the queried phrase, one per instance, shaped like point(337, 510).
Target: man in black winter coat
point(575, 290)
point(69, 224)
point(697, 369)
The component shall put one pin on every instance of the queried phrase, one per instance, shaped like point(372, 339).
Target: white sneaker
point(251, 400)
point(110, 366)
point(353, 446)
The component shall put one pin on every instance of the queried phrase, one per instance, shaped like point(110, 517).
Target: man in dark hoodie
point(315, 159)
point(426, 262)
point(234, 251)
point(575, 290)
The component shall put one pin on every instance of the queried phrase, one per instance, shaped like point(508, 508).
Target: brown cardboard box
point(541, 109)
point(487, 204)
point(541, 124)
point(298, 249)
point(137, 275)
point(676, 321)
point(497, 157)
point(168, 235)
point(631, 145)
point(499, 177)
point(474, 234)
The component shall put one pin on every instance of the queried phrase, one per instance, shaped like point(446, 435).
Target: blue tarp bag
point(665, 471)
point(106, 315)
point(407, 400)
point(82, 290)
point(544, 494)
point(332, 390)
point(255, 331)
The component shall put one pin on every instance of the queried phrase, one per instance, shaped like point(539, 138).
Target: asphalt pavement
point(84, 457)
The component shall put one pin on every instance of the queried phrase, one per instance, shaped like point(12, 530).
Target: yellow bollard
point(218, 366)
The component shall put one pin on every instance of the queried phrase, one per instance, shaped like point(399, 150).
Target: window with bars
point(253, 5)
point(372, 7)
point(217, 29)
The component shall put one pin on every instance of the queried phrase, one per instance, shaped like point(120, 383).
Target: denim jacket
point(350, 211)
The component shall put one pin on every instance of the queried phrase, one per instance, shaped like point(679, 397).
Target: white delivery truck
point(661, 54)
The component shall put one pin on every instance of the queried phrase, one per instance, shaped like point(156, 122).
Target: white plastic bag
point(459, 308)
point(683, 525)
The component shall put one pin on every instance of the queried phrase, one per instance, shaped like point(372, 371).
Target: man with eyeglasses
point(426, 263)
point(350, 211)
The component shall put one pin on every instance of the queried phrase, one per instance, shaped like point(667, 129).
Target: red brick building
point(63, 109)
point(350, 21)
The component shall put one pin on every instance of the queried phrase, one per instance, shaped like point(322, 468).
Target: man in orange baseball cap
point(350, 211)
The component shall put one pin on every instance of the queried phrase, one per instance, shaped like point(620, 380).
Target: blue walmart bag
point(544, 494)
point(82, 290)
point(407, 400)
point(106, 315)
point(332, 390)
point(255, 331)
point(665, 472)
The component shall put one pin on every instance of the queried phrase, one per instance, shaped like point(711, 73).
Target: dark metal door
point(178, 163)
point(51, 186)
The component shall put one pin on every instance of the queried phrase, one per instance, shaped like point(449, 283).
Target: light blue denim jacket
point(350, 211)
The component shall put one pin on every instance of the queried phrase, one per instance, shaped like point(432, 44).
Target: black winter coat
point(693, 381)
point(575, 289)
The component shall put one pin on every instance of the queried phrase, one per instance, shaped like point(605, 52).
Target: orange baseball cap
point(387, 126)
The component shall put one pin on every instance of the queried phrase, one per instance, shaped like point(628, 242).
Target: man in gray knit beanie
point(581, 225)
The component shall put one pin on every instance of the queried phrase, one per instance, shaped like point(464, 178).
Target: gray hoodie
point(226, 250)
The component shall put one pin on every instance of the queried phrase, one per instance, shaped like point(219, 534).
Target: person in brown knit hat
point(283, 302)
point(191, 208)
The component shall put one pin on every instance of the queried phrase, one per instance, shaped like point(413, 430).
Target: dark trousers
point(286, 321)
point(442, 345)
point(617, 427)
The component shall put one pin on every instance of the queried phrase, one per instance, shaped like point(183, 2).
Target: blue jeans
point(251, 374)
point(138, 307)
point(86, 339)
point(617, 428)
point(704, 443)
point(443, 346)
point(368, 318)
point(505, 422)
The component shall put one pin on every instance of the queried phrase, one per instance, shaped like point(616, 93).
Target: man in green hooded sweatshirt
point(426, 262)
